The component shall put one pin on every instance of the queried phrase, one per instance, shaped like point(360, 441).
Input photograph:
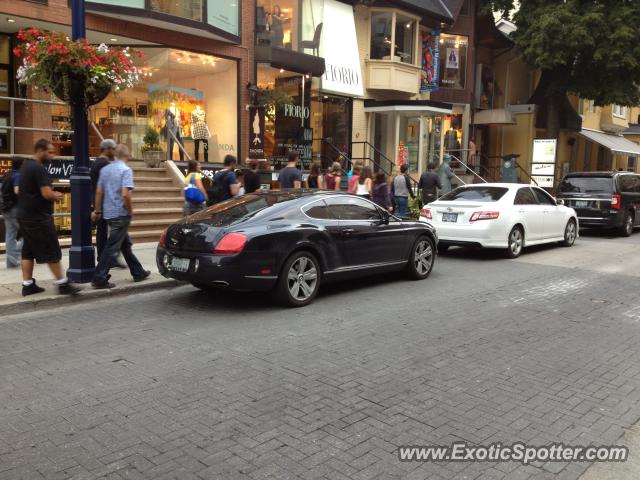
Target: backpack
point(9, 197)
point(191, 192)
point(217, 193)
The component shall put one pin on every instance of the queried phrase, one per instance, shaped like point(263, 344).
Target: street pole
point(81, 256)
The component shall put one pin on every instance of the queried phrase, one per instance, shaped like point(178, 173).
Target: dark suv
point(603, 199)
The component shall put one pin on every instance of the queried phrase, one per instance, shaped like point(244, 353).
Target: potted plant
point(152, 153)
point(75, 71)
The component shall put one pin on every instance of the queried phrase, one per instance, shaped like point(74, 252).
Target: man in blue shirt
point(113, 203)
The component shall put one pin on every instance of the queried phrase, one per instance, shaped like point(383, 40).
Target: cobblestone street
point(188, 385)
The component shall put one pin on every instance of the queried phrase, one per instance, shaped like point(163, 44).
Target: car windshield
point(237, 210)
point(475, 194)
point(586, 185)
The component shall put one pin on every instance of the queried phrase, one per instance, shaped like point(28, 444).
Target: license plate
point(450, 217)
point(582, 203)
point(179, 264)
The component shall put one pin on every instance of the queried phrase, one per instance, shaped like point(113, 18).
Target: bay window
point(393, 37)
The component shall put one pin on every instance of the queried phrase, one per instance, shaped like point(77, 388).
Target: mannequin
point(172, 124)
point(200, 132)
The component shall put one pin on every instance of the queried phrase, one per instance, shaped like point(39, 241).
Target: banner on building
point(256, 133)
point(430, 60)
point(543, 162)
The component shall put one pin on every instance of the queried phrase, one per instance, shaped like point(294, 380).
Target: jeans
point(402, 206)
point(102, 234)
point(205, 149)
point(171, 142)
point(13, 246)
point(118, 241)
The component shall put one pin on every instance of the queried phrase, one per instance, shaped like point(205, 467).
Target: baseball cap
point(107, 143)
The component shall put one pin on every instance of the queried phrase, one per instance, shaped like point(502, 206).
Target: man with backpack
point(10, 214)
point(225, 183)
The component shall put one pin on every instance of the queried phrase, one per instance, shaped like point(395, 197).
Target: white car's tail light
point(484, 216)
point(426, 213)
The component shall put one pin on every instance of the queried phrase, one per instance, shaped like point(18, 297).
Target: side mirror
point(384, 217)
point(559, 201)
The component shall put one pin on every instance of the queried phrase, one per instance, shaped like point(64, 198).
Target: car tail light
point(615, 201)
point(163, 238)
point(230, 244)
point(426, 213)
point(484, 216)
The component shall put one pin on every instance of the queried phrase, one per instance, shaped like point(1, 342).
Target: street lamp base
point(81, 264)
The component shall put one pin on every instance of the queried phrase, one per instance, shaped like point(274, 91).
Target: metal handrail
point(175, 139)
point(467, 167)
point(325, 141)
point(413, 181)
point(525, 172)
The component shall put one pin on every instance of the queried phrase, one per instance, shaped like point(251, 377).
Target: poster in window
point(430, 61)
point(183, 100)
point(453, 56)
point(256, 133)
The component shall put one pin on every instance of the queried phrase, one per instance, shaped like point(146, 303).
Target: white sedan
point(500, 215)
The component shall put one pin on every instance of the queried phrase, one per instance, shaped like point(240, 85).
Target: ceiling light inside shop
point(282, 70)
point(113, 39)
point(11, 20)
point(409, 25)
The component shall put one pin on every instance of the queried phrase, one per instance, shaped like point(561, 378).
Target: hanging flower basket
point(74, 71)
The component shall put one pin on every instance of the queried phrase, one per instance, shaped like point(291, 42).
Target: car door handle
point(348, 231)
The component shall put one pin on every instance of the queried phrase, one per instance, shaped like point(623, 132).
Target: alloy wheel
point(515, 242)
point(302, 279)
point(570, 233)
point(628, 224)
point(423, 257)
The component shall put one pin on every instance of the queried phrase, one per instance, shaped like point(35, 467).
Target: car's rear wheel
point(299, 280)
point(627, 225)
point(421, 258)
point(570, 233)
point(515, 242)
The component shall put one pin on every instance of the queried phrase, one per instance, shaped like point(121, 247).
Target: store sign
point(543, 162)
point(206, 170)
point(430, 61)
point(339, 47)
point(223, 14)
point(296, 111)
point(256, 134)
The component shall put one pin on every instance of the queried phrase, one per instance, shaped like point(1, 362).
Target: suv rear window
point(475, 194)
point(586, 185)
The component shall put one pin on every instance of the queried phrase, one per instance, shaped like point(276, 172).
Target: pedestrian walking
point(429, 184)
point(355, 165)
point(225, 184)
point(251, 178)
point(107, 152)
point(315, 180)
point(35, 219)
point(13, 245)
point(333, 177)
point(381, 193)
point(195, 195)
point(113, 203)
point(291, 176)
point(365, 181)
point(446, 174)
point(402, 191)
point(355, 177)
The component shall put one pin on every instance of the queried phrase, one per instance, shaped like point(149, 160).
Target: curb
point(27, 304)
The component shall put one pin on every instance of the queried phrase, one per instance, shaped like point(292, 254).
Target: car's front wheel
point(421, 259)
point(299, 280)
point(570, 233)
point(515, 242)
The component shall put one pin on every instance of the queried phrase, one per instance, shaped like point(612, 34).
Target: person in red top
point(355, 178)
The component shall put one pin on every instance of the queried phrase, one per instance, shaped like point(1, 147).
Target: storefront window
point(381, 35)
point(453, 60)
point(190, 9)
point(405, 38)
point(187, 98)
point(393, 37)
point(290, 24)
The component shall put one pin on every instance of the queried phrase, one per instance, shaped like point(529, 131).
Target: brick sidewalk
point(12, 301)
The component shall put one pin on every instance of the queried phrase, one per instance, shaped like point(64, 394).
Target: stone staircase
point(157, 202)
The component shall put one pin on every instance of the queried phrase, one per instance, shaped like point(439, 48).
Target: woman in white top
point(365, 182)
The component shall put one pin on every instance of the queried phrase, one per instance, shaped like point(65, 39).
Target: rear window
point(237, 210)
point(475, 194)
point(586, 185)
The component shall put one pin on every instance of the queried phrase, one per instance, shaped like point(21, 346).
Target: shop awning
point(290, 60)
point(495, 116)
point(616, 143)
point(407, 106)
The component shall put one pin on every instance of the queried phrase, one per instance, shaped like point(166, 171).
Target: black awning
point(569, 118)
point(409, 104)
point(290, 60)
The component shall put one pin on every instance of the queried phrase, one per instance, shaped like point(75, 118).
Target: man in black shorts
point(35, 218)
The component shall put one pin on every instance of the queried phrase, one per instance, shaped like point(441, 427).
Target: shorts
point(40, 241)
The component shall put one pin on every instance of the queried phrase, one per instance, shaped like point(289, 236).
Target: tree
point(585, 47)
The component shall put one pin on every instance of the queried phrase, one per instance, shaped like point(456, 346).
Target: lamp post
point(81, 256)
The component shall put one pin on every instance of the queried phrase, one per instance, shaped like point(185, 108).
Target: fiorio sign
point(296, 111)
point(339, 47)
